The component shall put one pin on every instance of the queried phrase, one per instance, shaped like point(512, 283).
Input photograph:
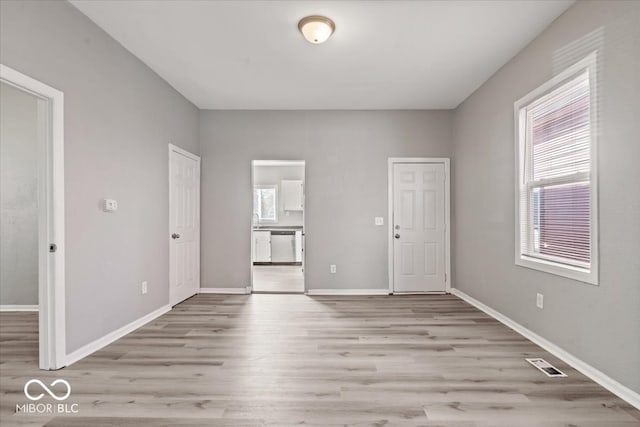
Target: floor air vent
point(546, 367)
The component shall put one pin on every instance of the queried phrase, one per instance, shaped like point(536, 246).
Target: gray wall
point(599, 324)
point(346, 185)
point(273, 175)
point(18, 197)
point(119, 118)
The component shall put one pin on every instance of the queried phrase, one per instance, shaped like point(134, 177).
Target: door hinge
point(53, 247)
point(445, 277)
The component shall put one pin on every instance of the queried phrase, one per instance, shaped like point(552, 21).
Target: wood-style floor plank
point(278, 278)
point(284, 360)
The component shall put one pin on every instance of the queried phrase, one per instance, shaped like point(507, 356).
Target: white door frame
point(447, 213)
point(176, 149)
point(255, 163)
point(51, 266)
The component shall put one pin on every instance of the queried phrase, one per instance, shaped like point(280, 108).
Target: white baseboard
point(15, 307)
point(599, 377)
point(96, 345)
point(239, 291)
point(419, 293)
point(348, 292)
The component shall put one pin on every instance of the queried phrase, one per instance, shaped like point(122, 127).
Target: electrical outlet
point(144, 287)
point(332, 268)
point(379, 220)
point(540, 301)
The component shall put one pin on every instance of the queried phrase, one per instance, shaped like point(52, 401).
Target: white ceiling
point(383, 55)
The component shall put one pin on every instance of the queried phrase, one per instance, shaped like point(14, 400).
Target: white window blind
point(555, 175)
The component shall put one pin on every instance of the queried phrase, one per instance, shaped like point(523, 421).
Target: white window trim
point(277, 203)
point(585, 275)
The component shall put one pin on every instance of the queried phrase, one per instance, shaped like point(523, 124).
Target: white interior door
point(262, 246)
point(419, 227)
point(184, 217)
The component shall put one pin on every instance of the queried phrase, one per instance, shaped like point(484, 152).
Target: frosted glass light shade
point(316, 29)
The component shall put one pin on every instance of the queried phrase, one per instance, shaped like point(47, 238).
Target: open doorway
point(277, 226)
point(32, 221)
point(18, 199)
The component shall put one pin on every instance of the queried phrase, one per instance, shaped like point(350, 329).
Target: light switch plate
point(110, 205)
point(379, 220)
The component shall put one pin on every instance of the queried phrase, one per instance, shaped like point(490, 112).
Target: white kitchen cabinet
point(261, 246)
point(292, 194)
point(298, 246)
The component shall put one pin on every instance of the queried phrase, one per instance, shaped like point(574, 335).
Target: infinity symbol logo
point(45, 388)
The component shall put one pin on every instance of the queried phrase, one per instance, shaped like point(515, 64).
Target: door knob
point(175, 236)
point(397, 236)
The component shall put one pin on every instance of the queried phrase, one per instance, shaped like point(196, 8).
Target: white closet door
point(184, 217)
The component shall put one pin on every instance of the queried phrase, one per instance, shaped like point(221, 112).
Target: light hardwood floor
point(278, 278)
point(274, 359)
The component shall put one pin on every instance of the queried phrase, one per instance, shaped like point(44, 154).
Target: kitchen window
point(265, 203)
point(556, 213)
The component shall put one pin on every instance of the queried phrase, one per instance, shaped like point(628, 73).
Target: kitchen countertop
point(278, 228)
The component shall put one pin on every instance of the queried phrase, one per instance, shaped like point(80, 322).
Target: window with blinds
point(556, 210)
point(265, 204)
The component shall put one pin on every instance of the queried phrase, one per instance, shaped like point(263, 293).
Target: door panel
point(408, 176)
point(407, 259)
point(262, 246)
point(430, 258)
point(429, 177)
point(408, 209)
point(419, 227)
point(429, 211)
point(184, 220)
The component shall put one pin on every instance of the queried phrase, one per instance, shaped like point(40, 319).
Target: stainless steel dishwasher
point(283, 246)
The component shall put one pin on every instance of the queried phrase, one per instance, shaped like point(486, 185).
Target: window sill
point(576, 273)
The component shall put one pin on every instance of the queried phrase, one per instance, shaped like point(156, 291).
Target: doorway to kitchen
point(277, 226)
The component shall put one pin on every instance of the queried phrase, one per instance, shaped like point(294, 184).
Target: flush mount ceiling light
point(316, 29)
